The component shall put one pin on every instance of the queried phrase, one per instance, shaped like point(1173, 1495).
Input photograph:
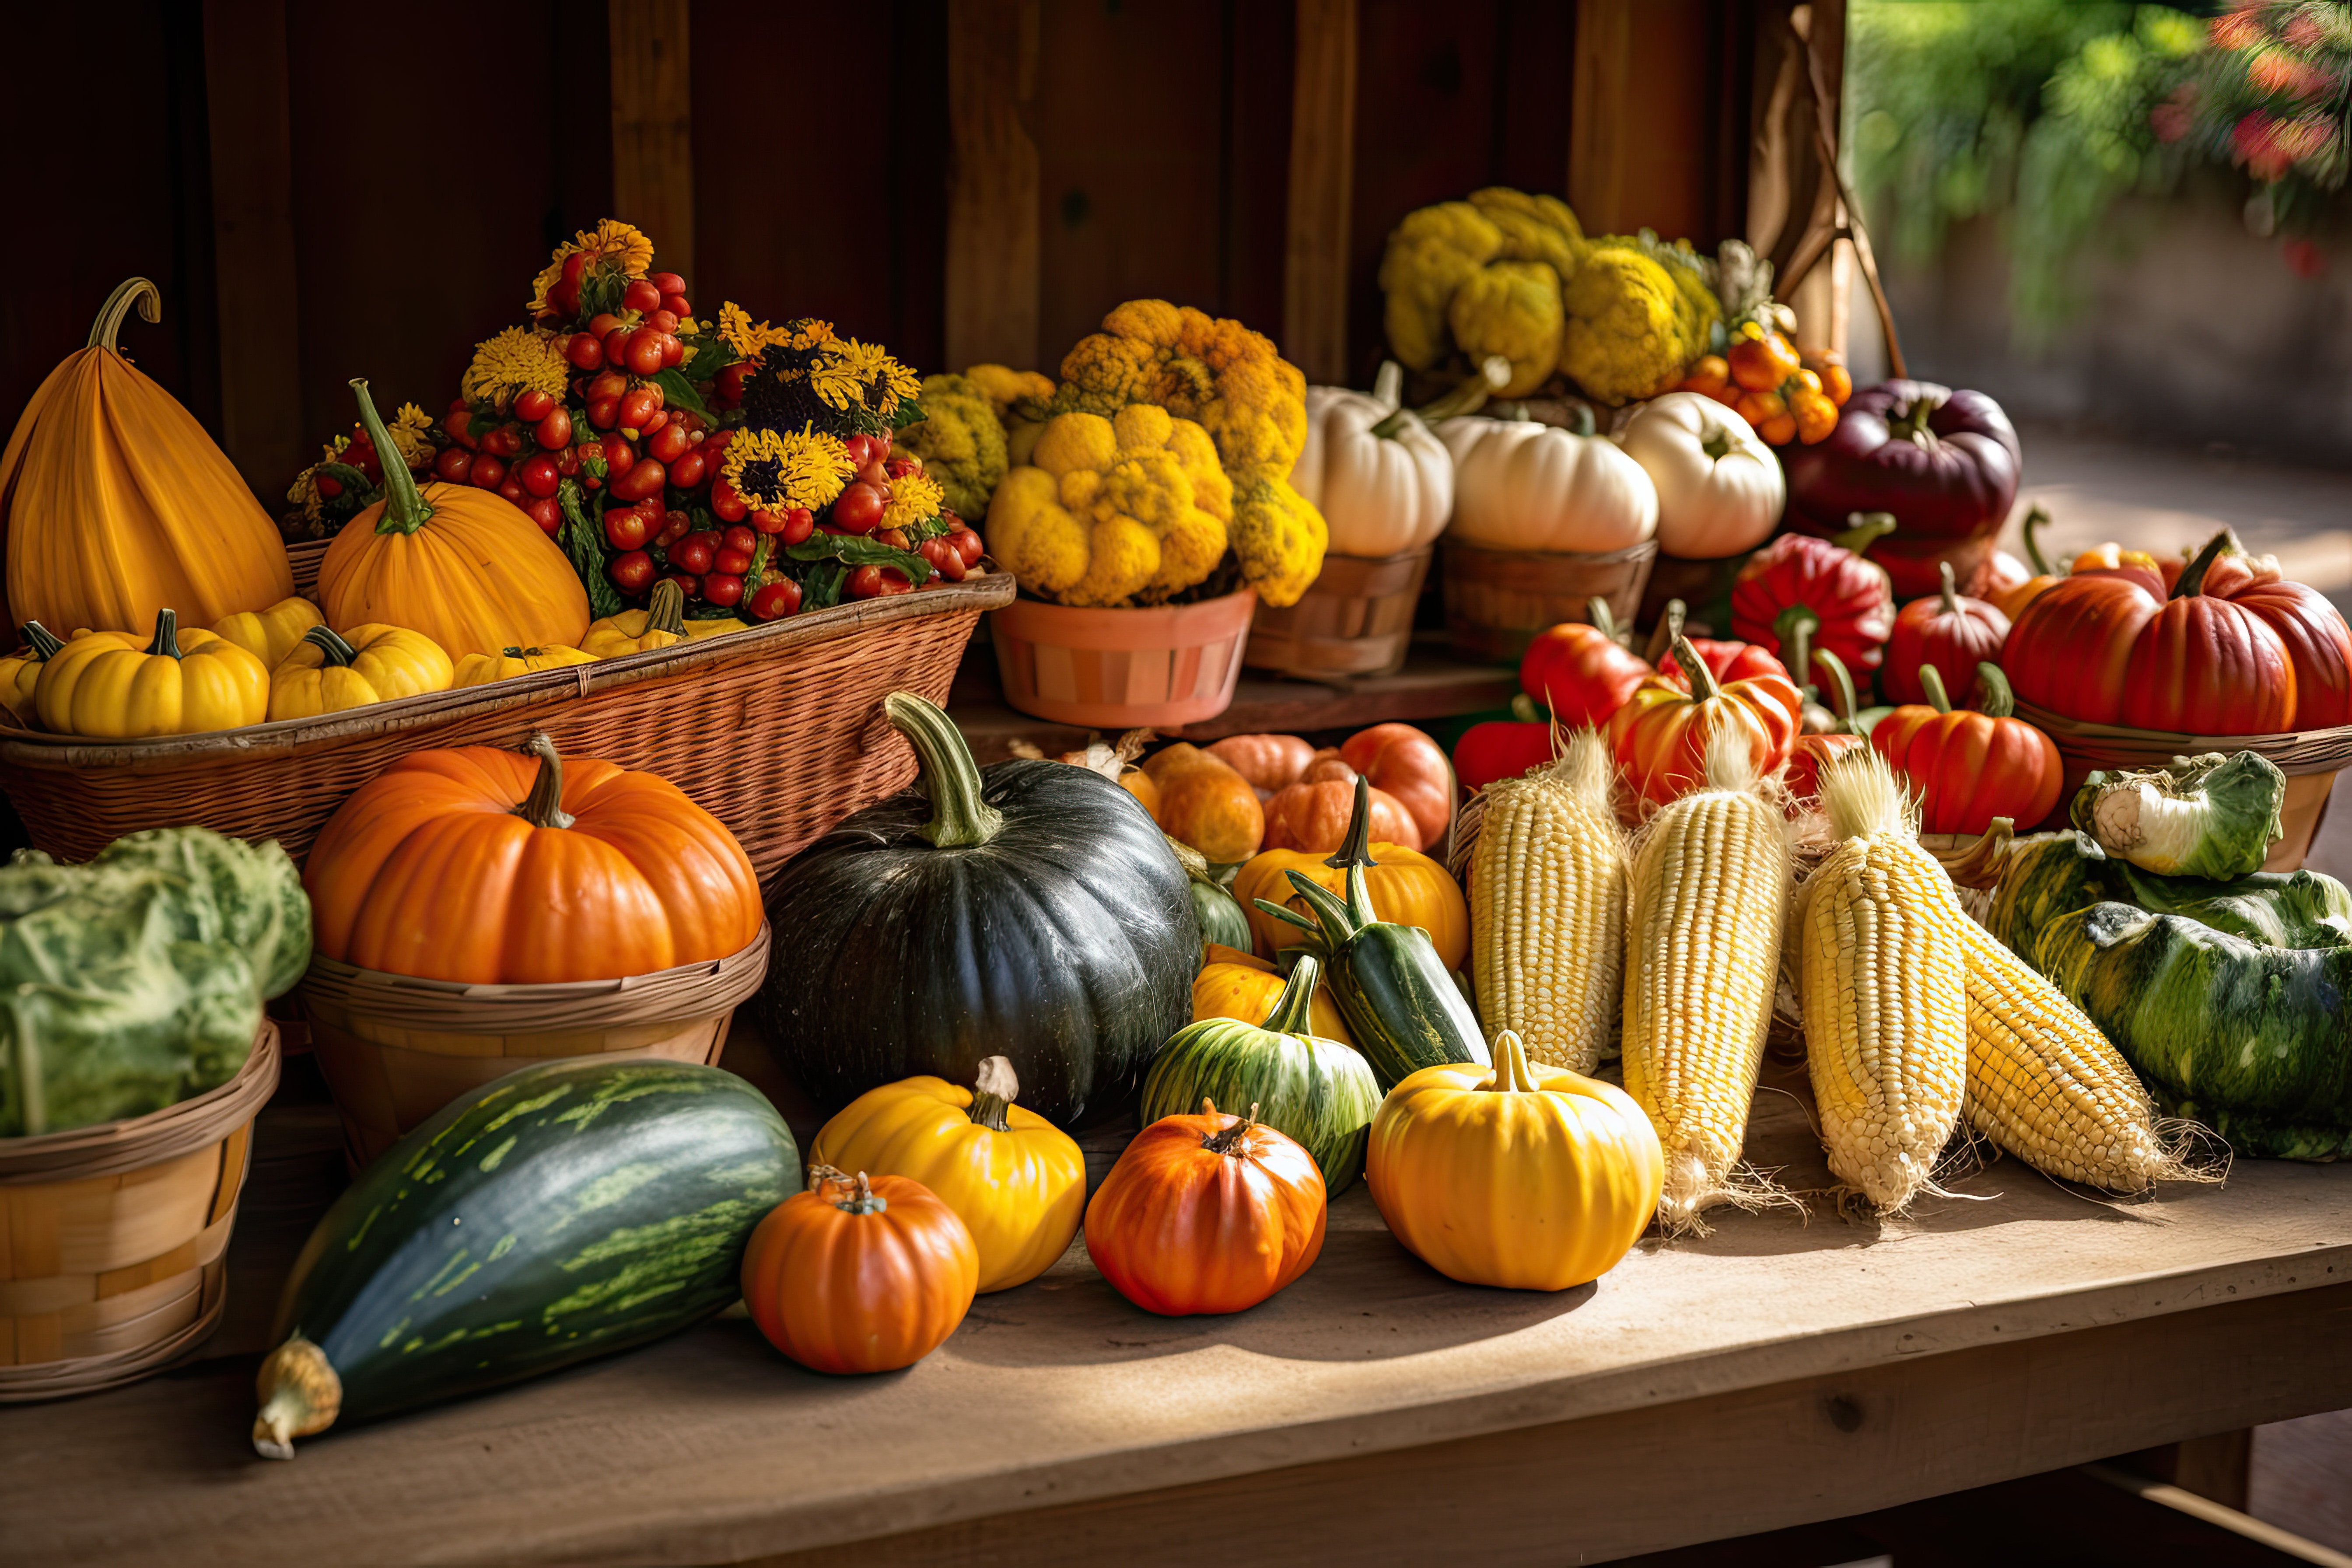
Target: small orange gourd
point(859, 1274)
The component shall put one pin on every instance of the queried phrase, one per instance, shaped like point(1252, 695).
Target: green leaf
point(821, 589)
point(858, 549)
point(710, 357)
point(583, 544)
point(909, 412)
point(678, 393)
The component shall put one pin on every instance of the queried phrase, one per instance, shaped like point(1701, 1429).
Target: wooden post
point(993, 185)
point(653, 127)
point(1638, 111)
point(253, 242)
point(1322, 181)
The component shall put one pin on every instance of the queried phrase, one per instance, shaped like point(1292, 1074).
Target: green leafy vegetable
point(2214, 815)
point(582, 542)
point(858, 549)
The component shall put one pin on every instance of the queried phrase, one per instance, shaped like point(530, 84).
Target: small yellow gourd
point(113, 685)
point(481, 669)
point(20, 671)
point(661, 623)
point(329, 673)
point(1016, 1181)
point(270, 634)
point(1243, 986)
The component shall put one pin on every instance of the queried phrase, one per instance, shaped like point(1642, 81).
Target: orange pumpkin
point(1809, 753)
point(859, 1275)
point(1270, 762)
point(1139, 784)
point(1971, 767)
point(1206, 1214)
point(1314, 817)
point(1660, 735)
point(1204, 803)
point(1410, 766)
point(1408, 887)
point(490, 868)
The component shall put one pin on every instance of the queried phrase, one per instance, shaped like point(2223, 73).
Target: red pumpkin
point(1410, 769)
point(1952, 633)
point(1971, 767)
point(856, 1275)
point(1727, 661)
point(1660, 736)
point(1206, 1214)
point(2318, 644)
point(1809, 753)
point(1500, 749)
point(1818, 589)
point(1582, 673)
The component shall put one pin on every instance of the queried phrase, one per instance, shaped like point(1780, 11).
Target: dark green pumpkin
point(560, 1213)
point(1319, 1093)
point(1031, 910)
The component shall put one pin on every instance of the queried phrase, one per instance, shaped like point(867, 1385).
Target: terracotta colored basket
point(114, 1238)
point(1498, 600)
point(1120, 669)
point(395, 1048)
point(1356, 620)
point(2310, 760)
point(775, 731)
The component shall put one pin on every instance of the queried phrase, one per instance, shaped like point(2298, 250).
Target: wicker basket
point(775, 731)
point(113, 1238)
point(2310, 760)
point(304, 556)
point(394, 1049)
point(1498, 600)
point(1356, 620)
point(1120, 669)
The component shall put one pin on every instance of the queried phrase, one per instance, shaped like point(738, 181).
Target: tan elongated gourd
point(116, 504)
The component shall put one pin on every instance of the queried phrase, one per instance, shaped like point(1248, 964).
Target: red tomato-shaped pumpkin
point(1582, 673)
point(1727, 661)
point(1817, 591)
point(1500, 749)
point(1954, 634)
point(2318, 644)
point(1809, 753)
point(1206, 1214)
point(1660, 736)
point(1971, 767)
point(1410, 768)
point(856, 1275)
point(1313, 814)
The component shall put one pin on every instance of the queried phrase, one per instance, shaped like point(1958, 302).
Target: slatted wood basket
point(1356, 620)
point(395, 1048)
point(775, 731)
point(1123, 669)
point(114, 1238)
point(1498, 600)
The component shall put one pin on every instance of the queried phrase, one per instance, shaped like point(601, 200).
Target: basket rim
point(110, 1148)
point(40, 749)
point(1602, 558)
point(2296, 752)
point(706, 986)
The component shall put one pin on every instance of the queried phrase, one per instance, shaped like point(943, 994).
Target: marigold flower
point(519, 359)
point(914, 498)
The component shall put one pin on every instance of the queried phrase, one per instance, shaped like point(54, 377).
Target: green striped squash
point(559, 1213)
point(2058, 876)
point(1319, 1094)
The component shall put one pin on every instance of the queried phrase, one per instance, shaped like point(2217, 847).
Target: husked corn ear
point(1547, 908)
point(1885, 990)
point(1710, 885)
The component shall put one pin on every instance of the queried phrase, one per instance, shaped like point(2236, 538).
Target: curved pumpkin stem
point(1932, 681)
point(1292, 1012)
point(166, 643)
point(1863, 529)
point(1793, 629)
point(861, 1198)
point(1512, 1074)
point(138, 290)
point(1840, 683)
point(1338, 920)
point(1909, 423)
point(405, 510)
point(42, 641)
point(666, 611)
point(1703, 685)
point(960, 817)
point(995, 1088)
point(2192, 577)
point(1952, 589)
point(333, 649)
point(1354, 853)
point(1999, 700)
point(1228, 1140)
point(1605, 620)
point(2036, 517)
point(543, 806)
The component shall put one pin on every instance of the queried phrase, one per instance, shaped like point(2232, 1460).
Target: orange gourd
point(1971, 767)
point(1411, 768)
point(116, 505)
point(1660, 736)
point(1244, 987)
point(1270, 762)
point(1206, 1214)
point(859, 1274)
point(1313, 816)
point(1205, 803)
point(465, 566)
point(492, 867)
point(1407, 887)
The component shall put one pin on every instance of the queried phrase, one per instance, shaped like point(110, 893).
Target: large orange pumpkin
point(1971, 767)
point(494, 867)
point(858, 1275)
point(1206, 1214)
point(467, 567)
point(1660, 735)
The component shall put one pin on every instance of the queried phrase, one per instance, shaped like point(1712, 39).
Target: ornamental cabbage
point(2214, 816)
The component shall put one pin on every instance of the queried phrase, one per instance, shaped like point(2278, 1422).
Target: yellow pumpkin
point(1016, 1181)
point(465, 566)
point(1241, 985)
point(111, 685)
point(697, 630)
point(115, 504)
point(329, 672)
point(20, 671)
point(481, 669)
point(661, 623)
point(1518, 1175)
point(270, 634)
point(1407, 887)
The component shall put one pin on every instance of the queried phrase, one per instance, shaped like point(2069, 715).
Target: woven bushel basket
point(775, 731)
point(114, 1238)
point(395, 1048)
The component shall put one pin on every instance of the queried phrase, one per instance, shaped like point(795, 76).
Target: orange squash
point(1660, 735)
point(465, 566)
point(1411, 768)
point(1242, 986)
point(115, 504)
point(490, 868)
point(859, 1275)
point(1408, 887)
point(1314, 817)
point(1204, 803)
point(1270, 762)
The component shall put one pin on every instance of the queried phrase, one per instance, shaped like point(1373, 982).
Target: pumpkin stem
point(1523, 707)
point(167, 635)
point(1841, 684)
point(42, 641)
point(300, 1395)
point(1280, 912)
point(1704, 687)
point(2036, 515)
point(1677, 616)
point(543, 807)
point(2192, 577)
point(1603, 619)
point(1512, 1074)
point(405, 510)
point(1909, 422)
point(1981, 866)
point(1291, 1014)
point(1471, 394)
point(1932, 681)
point(333, 649)
point(1798, 647)
point(1863, 529)
point(1337, 920)
point(1356, 848)
point(1387, 386)
point(131, 290)
point(960, 817)
point(1793, 629)
point(1717, 443)
point(666, 611)
point(1999, 700)
point(995, 1088)
point(1228, 1140)
point(1952, 589)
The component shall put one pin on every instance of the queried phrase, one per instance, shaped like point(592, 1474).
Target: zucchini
point(560, 1213)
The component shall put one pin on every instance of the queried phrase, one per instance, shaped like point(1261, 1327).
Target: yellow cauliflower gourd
point(1111, 511)
point(1280, 539)
point(1638, 313)
point(1511, 309)
point(1534, 227)
point(1430, 255)
point(1021, 399)
point(1229, 379)
point(960, 439)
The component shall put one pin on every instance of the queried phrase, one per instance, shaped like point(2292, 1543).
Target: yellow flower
point(837, 383)
point(915, 498)
point(773, 470)
point(737, 330)
point(610, 241)
point(889, 383)
point(518, 359)
point(408, 431)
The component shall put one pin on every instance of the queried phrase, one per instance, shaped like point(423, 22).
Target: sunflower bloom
point(773, 470)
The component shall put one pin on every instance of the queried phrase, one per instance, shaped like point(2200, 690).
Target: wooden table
point(1780, 1371)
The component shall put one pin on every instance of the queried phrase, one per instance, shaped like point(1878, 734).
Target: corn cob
point(1885, 990)
point(1547, 906)
point(1709, 884)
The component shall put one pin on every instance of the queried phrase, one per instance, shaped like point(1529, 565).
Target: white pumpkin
point(1518, 485)
point(1721, 489)
point(1380, 479)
